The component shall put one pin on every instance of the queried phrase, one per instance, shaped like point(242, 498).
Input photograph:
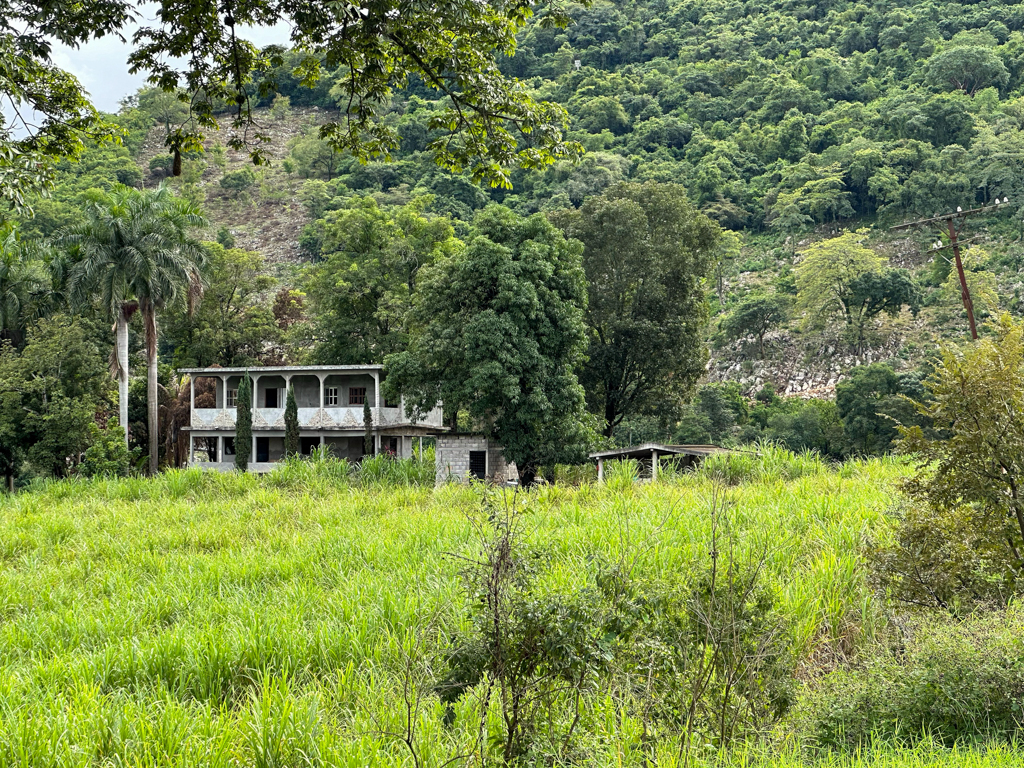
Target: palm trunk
point(121, 334)
point(152, 402)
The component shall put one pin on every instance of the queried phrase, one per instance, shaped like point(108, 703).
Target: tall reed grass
point(216, 619)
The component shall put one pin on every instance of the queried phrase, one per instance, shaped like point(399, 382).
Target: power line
point(954, 233)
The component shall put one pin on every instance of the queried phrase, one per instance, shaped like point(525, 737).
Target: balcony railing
point(311, 418)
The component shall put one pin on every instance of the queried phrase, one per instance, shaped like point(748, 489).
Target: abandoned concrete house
point(330, 401)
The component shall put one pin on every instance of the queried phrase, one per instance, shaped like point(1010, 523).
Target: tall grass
point(216, 619)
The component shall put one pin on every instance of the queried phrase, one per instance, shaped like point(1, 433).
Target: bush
point(948, 680)
point(161, 165)
point(130, 177)
point(703, 664)
point(238, 181)
point(108, 456)
point(225, 238)
point(956, 559)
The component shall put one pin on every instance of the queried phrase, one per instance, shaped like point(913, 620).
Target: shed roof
point(644, 451)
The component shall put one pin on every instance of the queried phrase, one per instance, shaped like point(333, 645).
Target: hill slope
point(786, 121)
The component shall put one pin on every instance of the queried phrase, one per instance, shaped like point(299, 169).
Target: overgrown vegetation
point(301, 611)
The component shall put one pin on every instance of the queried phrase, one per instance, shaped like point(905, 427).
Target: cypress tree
point(368, 427)
point(243, 425)
point(291, 424)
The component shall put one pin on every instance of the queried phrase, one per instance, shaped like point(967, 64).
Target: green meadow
point(233, 620)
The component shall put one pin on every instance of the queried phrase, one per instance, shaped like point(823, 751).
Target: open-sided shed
point(650, 454)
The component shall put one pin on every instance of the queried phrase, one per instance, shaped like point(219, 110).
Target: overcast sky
point(102, 65)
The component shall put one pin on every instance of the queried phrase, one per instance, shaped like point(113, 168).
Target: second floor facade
point(329, 397)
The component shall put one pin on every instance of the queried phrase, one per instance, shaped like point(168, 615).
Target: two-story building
point(330, 399)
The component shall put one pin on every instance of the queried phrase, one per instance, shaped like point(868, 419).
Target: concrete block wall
point(451, 459)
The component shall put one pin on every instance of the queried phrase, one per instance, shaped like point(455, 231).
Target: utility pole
point(954, 230)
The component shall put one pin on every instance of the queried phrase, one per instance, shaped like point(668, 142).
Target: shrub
point(955, 559)
point(161, 165)
point(946, 679)
point(701, 664)
point(238, 181)
point(225, 238)
point(108, 456)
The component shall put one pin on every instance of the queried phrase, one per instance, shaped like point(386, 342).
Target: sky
point(102, 65)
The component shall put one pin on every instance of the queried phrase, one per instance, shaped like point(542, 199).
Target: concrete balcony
point(311, 418)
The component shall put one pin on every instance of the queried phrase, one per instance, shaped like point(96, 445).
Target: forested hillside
point(787, 123)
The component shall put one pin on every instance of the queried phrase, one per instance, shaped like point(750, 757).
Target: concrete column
point(376, 390)
point(220, 447)
point(224, 389)
point(191, 449)
point(192, 399)
point(254, 380)
point(322, 403)
point(421, 447)
point(252, 460)
point(600, 470)
point(654, 465)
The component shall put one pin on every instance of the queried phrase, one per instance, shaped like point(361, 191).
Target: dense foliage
point(771, 119)
point(498, 331)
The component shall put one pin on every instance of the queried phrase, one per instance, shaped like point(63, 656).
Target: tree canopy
point(491, 123)
point(362, 290)
point(498, 332)
point(646, 253)
point(755, 315)
point(976, 455)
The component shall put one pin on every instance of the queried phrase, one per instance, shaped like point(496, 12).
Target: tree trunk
point(152, 394)
point(610, 414)
point(121, 333)
point(527, 474)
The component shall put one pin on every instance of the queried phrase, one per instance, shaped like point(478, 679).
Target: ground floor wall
point(461, 458)
point(216, 449)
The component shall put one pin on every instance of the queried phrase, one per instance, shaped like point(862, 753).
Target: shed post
point(600, 470)
point(654, 465)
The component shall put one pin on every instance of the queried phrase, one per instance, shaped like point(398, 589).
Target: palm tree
point(23, 288)
point(135, 253)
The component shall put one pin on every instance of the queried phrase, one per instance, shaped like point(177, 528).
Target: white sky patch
point(102, 65)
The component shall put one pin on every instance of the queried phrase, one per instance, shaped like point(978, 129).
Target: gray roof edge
point(281, 369)
point(693, 450)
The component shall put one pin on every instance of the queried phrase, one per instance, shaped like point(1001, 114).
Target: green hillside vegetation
point(785, 122)
point(719, 267)
point(803, 130)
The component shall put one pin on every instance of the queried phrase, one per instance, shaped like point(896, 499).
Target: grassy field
point(206, 619)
